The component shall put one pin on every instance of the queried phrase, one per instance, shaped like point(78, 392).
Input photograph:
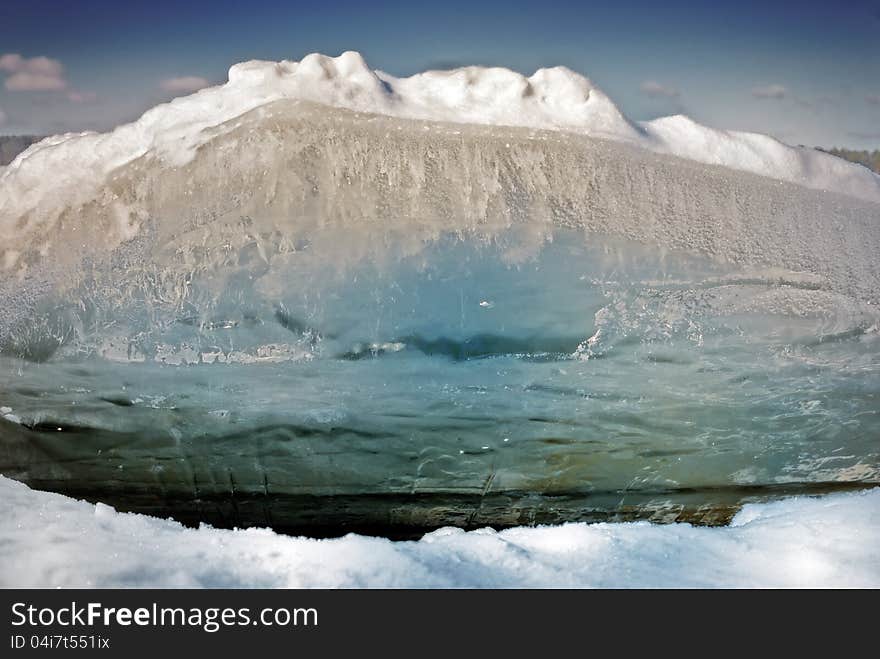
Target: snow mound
point(67, 171)
point(760, 154)
point(553, 99)
point(832, 541)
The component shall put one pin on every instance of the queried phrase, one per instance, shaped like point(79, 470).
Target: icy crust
point(48, 540)
point(61, 174)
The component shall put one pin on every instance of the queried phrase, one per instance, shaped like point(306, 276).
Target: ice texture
point(285, 312)
point(397, 382)
point(47, 540)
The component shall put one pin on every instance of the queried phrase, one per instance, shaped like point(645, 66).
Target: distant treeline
point(12, 145)
point(870, 159)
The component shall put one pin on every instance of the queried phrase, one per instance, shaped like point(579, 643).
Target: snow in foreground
point(832, 541)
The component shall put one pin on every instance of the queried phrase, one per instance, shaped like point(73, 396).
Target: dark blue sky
point(807, 72)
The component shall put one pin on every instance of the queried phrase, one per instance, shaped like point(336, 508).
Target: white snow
point(67, 171)
point(760, 154)
point(831, 541)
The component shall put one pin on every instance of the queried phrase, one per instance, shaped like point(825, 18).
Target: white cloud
point(43, 66)
point(39, 74)
point(770, 91)
point(11, 62)
point(184, 84)
point(654, 88)
point(34, 82)
point(32, 74)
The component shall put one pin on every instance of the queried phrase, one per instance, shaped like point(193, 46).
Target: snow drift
point(47, 540)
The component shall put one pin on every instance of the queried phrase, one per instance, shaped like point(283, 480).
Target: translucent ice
point(321, 318)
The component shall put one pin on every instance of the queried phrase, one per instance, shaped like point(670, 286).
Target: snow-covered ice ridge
point(553, 99)
point(832, 541)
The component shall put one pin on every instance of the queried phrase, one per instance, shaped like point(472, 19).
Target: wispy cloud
point(32, 74)
point(656, 89)
point(39, 74)
point(184, 84)
point(770, 91)
point(2, 117)
point(15, 63)
point(873, 99)
point(34, 82)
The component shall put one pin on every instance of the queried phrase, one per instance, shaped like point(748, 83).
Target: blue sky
point(807, 72)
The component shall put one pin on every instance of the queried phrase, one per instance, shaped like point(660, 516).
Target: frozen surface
point(47, 540)
point(319, 295)
point(369, 381)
